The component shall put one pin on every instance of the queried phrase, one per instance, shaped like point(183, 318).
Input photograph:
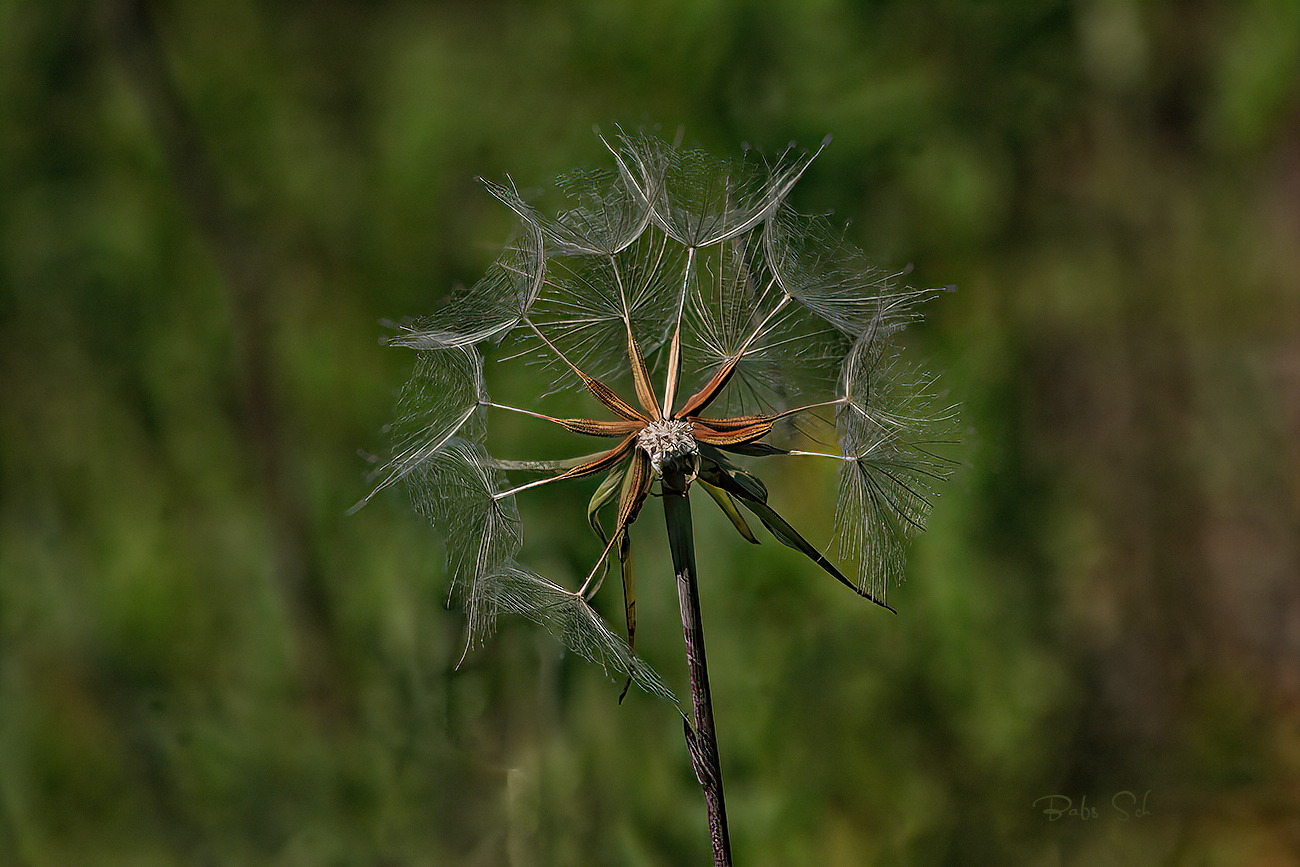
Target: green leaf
point(603, 496)
point(788, 536)
point(728, 506)
point(719, 472)
point(629, 586)
point(754, 450)
point(752, 493)
point(629, 597)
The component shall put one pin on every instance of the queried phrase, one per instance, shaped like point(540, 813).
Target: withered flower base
point(771, 324)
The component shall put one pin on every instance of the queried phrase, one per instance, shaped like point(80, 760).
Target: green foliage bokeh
point(203, 660)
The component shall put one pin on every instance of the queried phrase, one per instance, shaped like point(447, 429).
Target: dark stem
point(701, 740)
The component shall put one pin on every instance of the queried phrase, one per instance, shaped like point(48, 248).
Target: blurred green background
point(207, 207)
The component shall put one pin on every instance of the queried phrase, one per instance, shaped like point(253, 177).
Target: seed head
point(698, 310)
point(667, 440)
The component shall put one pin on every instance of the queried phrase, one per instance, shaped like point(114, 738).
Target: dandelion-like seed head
point(748, 313)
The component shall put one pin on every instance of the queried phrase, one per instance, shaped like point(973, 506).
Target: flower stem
point(701, 740)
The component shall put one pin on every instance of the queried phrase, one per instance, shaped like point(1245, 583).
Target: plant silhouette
point(710, 323)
